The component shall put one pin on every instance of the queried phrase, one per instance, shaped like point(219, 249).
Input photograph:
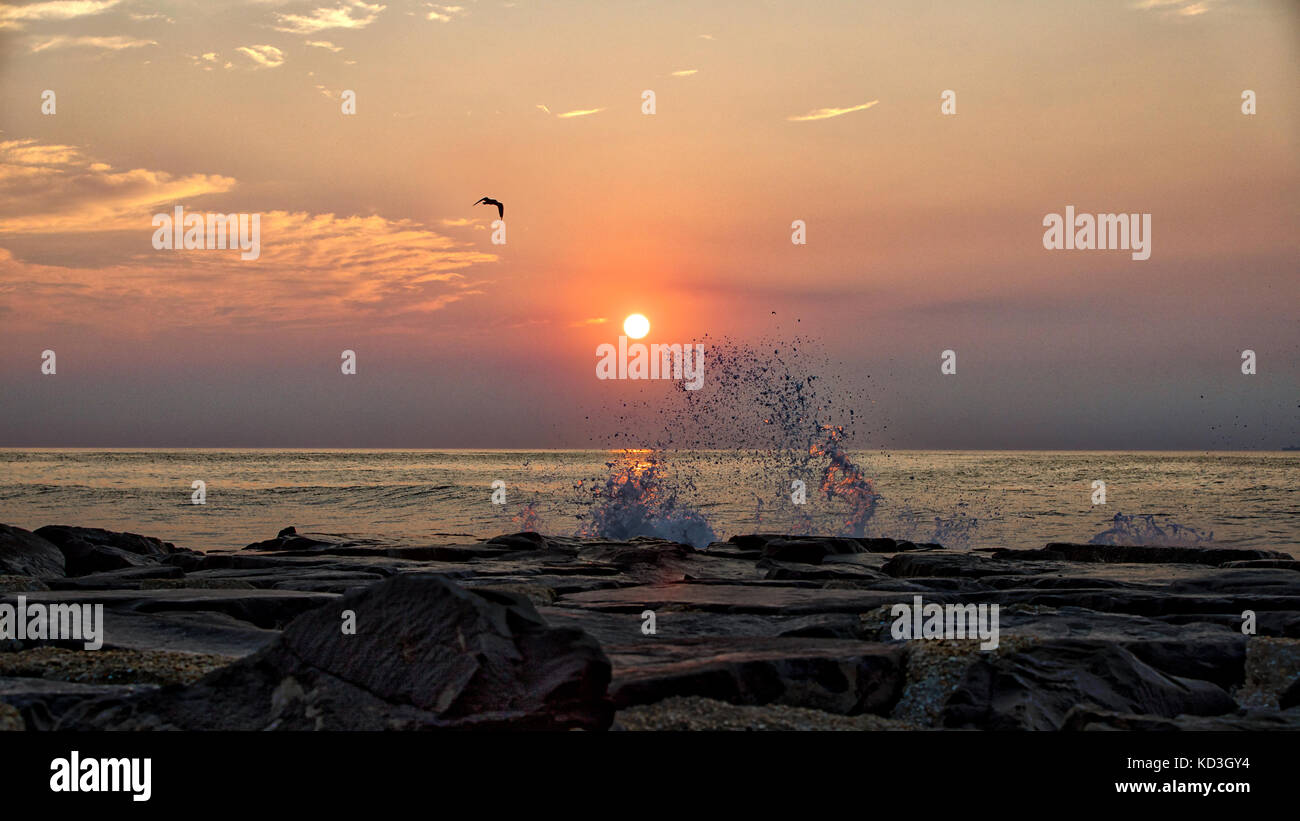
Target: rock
point(622, 628)
point(1291, 698)
point(912, 565)
point(427, 654)
point(765, 599)
point(841, 571)
point(808, 550)
point(1279, 564)
point(38, 702)
point(269, 609)
point(1035, 688)
point(91, 549)
point(833, 675)
point(11, 719)
point(121, 579)
point(527, 540)
point(207, 633)
point(694, 713)
point(21, 584)
point(1214, 556)
point(1085, 717)
point(23, 553)
point(1272, 671)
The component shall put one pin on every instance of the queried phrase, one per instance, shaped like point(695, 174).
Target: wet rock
point(1272, 671)
point(913, 565)
point(1086, 717)
point(89, 550)
point(427, 654)
point(21, 584)
point(122, 579)
point(1278, 564)
point(527, 540)
point(37, 703)
point(1035, 688)
point(1214, 556)
point(268, 609)
point(11, 719)
point(694, 713)
point(833, 675)
point(23, 553)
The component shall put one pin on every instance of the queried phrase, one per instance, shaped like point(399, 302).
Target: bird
point(501, 209)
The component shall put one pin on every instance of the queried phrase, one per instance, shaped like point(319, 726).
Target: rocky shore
point(524, 631)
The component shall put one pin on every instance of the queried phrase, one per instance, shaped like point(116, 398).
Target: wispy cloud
point(686, 72)
point(55, 189)
point(115, 43)
point(445, 14)
point(1182, 8)
point(16, 16)
point(325, 44)
point(319, 268)
point(579, 113)
point(353, 14)
point(827, 113)
point(265, 56)
point(595, 320)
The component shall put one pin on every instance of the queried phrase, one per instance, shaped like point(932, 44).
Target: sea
point(227, 499)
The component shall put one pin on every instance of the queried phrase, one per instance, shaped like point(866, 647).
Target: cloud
point(314, 269)
point(1182, 8)
point(326, 44)
point(353, 14)
point(686, 72)
point(445, 14)
point(54, 189)
point(595, 320)
point(459, 222)
point(15, 16)
point(115, 43)
point(827, 113)
point(265, 56)
point(541, 107)
point(580, 113)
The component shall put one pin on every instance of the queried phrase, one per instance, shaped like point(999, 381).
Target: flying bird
point(501, 209)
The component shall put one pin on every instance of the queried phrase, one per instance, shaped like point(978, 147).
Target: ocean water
point(961, 499)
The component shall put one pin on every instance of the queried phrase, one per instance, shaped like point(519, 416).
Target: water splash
point(844, 480)
point(1143, 529)
point(640, 497)
point(529, 517)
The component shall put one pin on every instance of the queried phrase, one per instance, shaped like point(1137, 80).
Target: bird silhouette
point(501, 209)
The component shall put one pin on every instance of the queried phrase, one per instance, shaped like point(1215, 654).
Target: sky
point(924, 230)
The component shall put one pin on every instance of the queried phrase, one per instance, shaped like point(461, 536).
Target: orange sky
point(924, 230)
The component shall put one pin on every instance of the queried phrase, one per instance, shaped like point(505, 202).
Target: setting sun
point(636, 326)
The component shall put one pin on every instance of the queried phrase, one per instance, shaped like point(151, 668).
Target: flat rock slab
point(1214, 556)
point(720, 598)
point(835, 675)
point(268, 609)
point(610, 628)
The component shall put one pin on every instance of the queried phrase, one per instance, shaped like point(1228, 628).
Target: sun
point(636, 326)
